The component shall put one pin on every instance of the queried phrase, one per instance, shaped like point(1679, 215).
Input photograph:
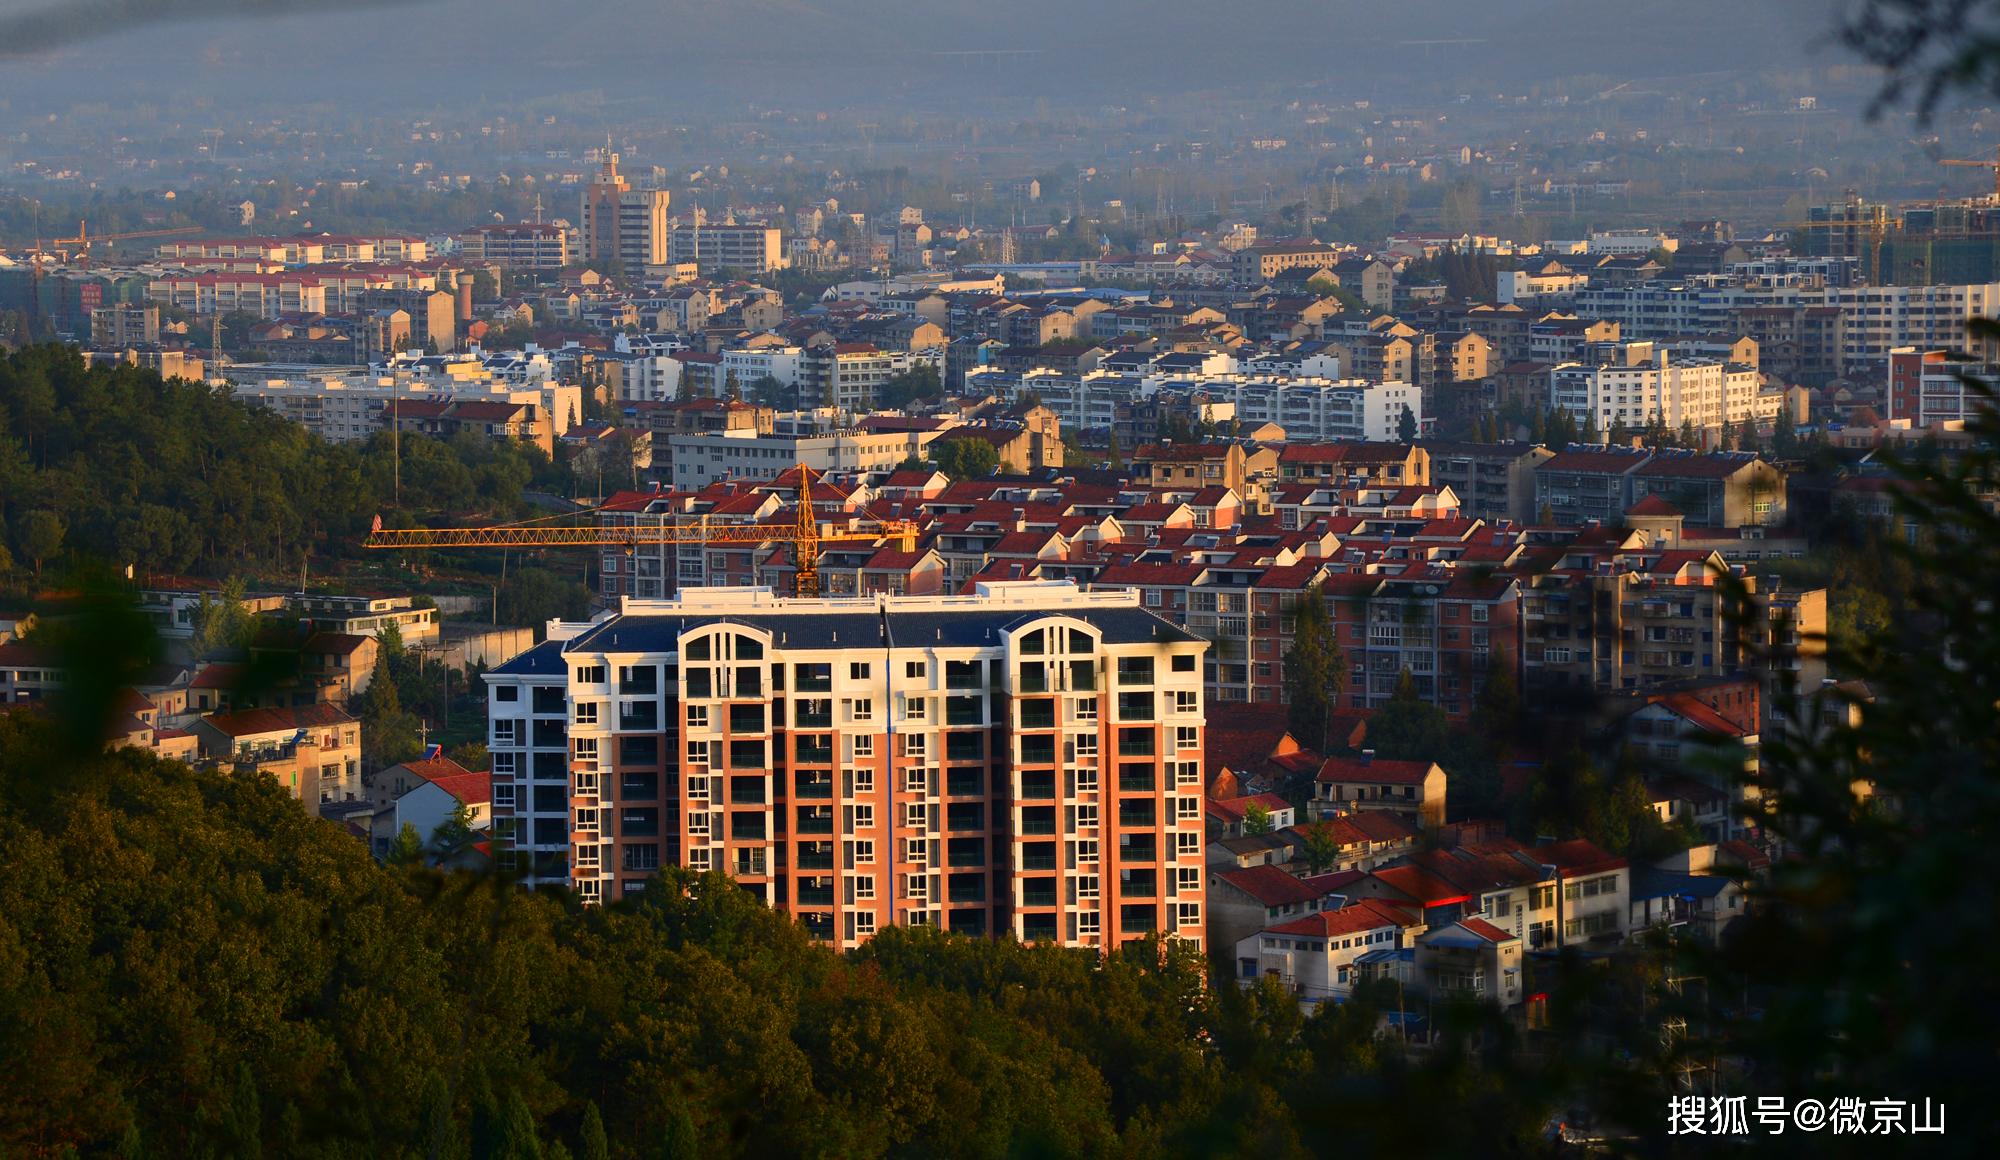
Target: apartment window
point(586, 712)
point(860, 781)
point(916, 852)
point(916, 815)
point(916, 781)
point(863, 746)
point(504, 764)
point(1187, 880)
point(506, 731)
point(1135, 670)
point(1187, 773)
point(857, 671)
point(507, 693)
point(861, 852)
point(1086, 851)
point(1187, 844)
point(590, 675)
point(697, 788)
point(1479, 613)
point(915, 708)
point(1085, 745)
point(503, 796)
point(1187, 701)
point(1083, 817)
point(861, 817)
point(863, 709)
point(1183, 662)
point(1187, 809)
point(697, 716)
point(1087, 886)
point(1087, 923)
point(914, 670)
point(917, 886)
point(861, 888)
point(698, 752)
point(1185, 737)
point(1187, 914)
point(915, 744)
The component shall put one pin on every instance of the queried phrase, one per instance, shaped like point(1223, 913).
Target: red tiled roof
point(1233, 809)
point(1271, 886)
point(1652, 505)
point(1577, 856)
point(1420, 884)
point(1366, 914)
point(1377, 770)
point(255, 721)
point(1487, 930)
point(471, 788)
point(219, 676)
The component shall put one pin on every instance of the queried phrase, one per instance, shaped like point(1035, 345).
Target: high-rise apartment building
point(1027, 759)
point(622, 222)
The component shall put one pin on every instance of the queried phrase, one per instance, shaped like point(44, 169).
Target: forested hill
point(113, 463)
point(190, 965)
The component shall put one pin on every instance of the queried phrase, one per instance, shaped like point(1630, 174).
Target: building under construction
point(1924, 244)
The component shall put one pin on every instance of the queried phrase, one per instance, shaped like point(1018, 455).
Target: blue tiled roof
point(545, 659)
point(951, 628)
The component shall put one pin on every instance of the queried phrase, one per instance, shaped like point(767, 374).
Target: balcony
point(1035, 895)
point(816, 856)
point(1038, 856)
point(1038, 820)
point(815, 820)
point(813, 786)
point(751, 863)
point(815, 892)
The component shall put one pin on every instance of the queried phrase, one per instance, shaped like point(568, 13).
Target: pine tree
point(1406, 425)
point(408, 848)
point(680, 1141)
point(595, 1145)
point(1315, 672)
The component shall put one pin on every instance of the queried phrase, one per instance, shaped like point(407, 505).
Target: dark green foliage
point(116, 465)
point(197, 966)
point(921, 382)
point(1315, 672)
point(965, 458)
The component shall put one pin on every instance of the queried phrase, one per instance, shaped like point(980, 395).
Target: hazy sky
point(840, 50)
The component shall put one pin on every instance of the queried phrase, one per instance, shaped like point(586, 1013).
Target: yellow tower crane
point(1994, 165)
point(804, 534)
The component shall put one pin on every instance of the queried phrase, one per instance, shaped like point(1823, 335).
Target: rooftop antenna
point(538, 207)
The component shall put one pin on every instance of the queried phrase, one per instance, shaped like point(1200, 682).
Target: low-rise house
point(432, 802)
point(1242, 902)
point(313, 750)
point(1226, 817)
point(1471, 959)
point(1314, 955)
point(1558, 894)
point(1414, 788)
point(1701, 905)
point(27, 673)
